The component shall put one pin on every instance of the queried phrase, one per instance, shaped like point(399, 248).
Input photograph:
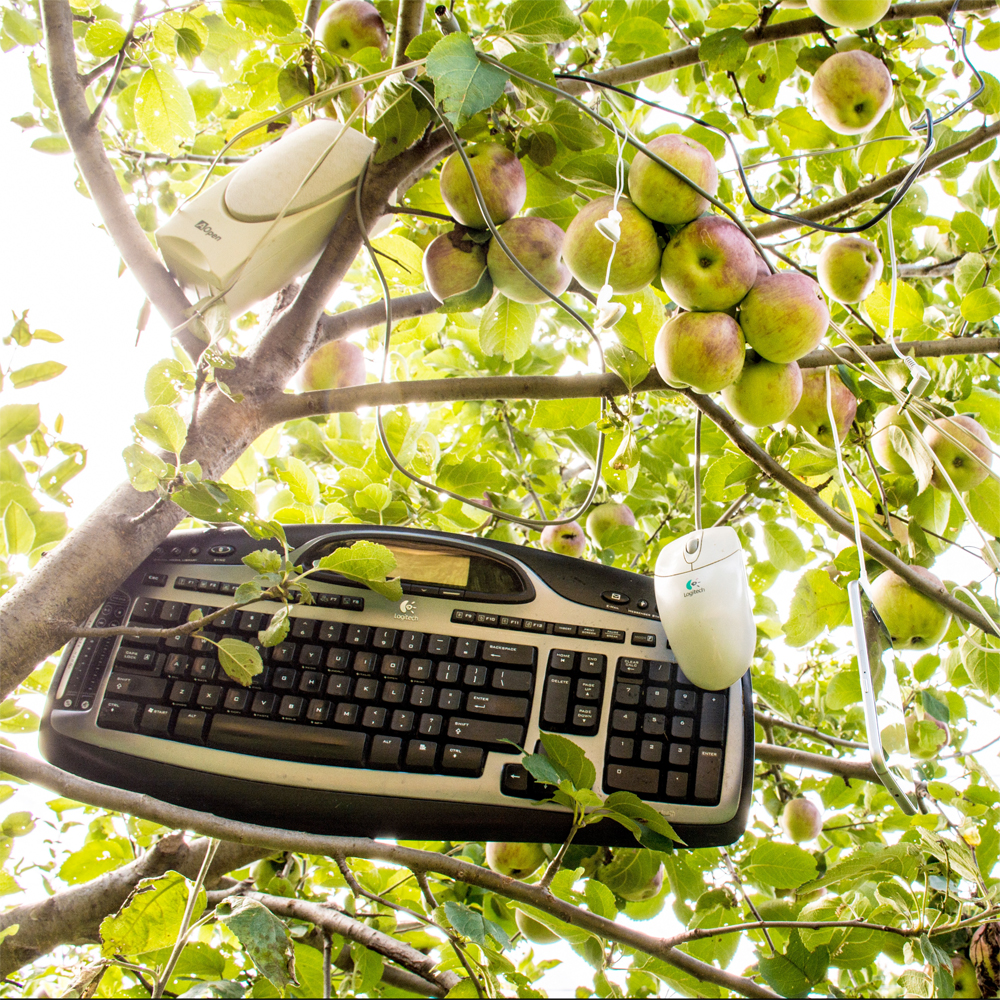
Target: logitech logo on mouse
point(692, 587)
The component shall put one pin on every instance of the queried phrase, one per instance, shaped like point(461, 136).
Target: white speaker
point(226, 239)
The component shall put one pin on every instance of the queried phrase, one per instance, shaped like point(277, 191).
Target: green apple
point(700, 350)
point(811, 414)
point(587, 250)
point(709, 265)
point(605, 517)
point(454, 265)
point(765, 393)
point(516, 860)
point(964, 974)
point(350, 25)
point(664, 197)
point(925, 735)
point(534, 930)
point(784, 316)
point(914, 620)
point(849, 268)
point(564, 539)
point(965, 472)
point(851, 91)
point(333, 366)
point(854, 14)
point(501, 180)
point(882, 447)
point(538, 244)
point(801, 820)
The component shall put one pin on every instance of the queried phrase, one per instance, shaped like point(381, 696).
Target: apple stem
point(556, 863)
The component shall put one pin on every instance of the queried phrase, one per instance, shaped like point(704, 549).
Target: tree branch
point(409, 24)
point(88, 148)
point(834, 741)
point(734, 431)
point(768, 753)
point(337, 326)
point(948, 347)
point(104, 796)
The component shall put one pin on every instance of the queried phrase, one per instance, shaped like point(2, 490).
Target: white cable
point(978, 645)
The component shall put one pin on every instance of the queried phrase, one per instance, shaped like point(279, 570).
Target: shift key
point(502, 706)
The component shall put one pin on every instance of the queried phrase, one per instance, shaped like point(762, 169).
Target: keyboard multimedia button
point(514, 623)
point(385, 751)
point(677, 784)
point(463, 617)
point(706, 782)
point(120, 715)
point(190, 725)
point(209, 586)
point(352, 603)
point(185, 583)
point(243, 734)
point(464, 760)
point(641, 780)
point(420, 755)
point(499, 705)
point(155, 719)
point(328, 600)
point(505, 679)
point(502, 652)
point(492, 621)
point(430, 725)
point(615, 597)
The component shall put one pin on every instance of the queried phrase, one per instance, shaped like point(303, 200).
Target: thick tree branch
point(768, 753)
point(409, 24)
point(337, 326)
point(949, 347)
point(88, 148)
point(734, 431)
point(119, 800)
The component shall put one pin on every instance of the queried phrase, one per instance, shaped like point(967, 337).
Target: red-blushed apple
point(534, 930)
point(851, 91)
point(811, 414)
point(849, 268)
point(703, 351)
point(538, 244)
point(607, 516)
point(333, 366)
point(516, 860)
point(925, 735)
point(564, 539)
point(882, 447)
point(348, 26)
point(762, 269)
point(662, 196)
point(784, 316)
point(637, 253)
point(965, 472)
point(501, 180)
point(854, 14)
point(801, 820)
point(709, 265)
point(765, 393)
point(914, 620)
point(453, 264)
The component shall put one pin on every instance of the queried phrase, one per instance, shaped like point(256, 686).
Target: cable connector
point(446, 19)
point(920, 379)
point(610, 228)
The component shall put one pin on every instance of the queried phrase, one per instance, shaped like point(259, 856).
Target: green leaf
point(145, 470)
point(462, 83)
point(104, 37)
point(801, 130)
point(263, 936)
point(214, 501)
point(19, 532)
point(843, 690)
point(559, 414)
point(970, 232)
point(277, 630)
point(981, 658)
point(909, 306)
point(645, 816)
point(877, 157)
point(23, 31)
point(263, 561)
point(630, 871)
point(163, 426)
point(151, 917)
point(629, 365)
point(273, 16)
point(368, 563)
point(573, 128)
point(401, 260)
point(780, 866)
point(817, 602)
point(724, 51)
point(367, 969)
point(402, 115)
point(301, 481)
point(54, 145)
point(32, 374)
point(784, 549)
point(506, 327)
point(600, 899)
point(794, 972)
point(543, 770)
point(239, 660)
point(984, 506)
point(18, 421)
point(540, 20)
point(160, 387)
point(163, 109)
point(375, 496)
point(571, 758)
point(981, 304)
point(885, 861)
point(93, 859)
point(471, 478)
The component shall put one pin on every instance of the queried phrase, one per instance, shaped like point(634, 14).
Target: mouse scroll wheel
point(692, 546)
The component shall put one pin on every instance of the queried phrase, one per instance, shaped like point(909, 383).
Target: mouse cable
point(697, 471)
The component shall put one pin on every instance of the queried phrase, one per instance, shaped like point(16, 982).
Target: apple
point(765, 393)
point(854, 14)
point(784, 316)
point(515, 860)
point(648, 891)
point(501, 180)
point(801, 820)
point(564, 539)
point(984, 951)
point(964, 974)
point(709, 265)
point(811, 414)
point(700, 350)
point(662, 196)
point(606, 516)
point(534, 930)
point(350, 25)
point(913, 735)
point(454, 265)
point(965, 472)
point(885, 454)
point(333, 366)
point(914, 621)
point(851, 91)
point(538, 244)
point(637, 253)
point(849, 268)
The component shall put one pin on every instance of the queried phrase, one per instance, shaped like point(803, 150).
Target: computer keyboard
point(400, 719)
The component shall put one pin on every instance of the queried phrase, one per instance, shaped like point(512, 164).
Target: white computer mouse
point(704, 602)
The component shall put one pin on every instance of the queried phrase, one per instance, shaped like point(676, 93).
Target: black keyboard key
point(385, 638)
point(630, 666)
point(318, 710)
point(677, 784)
point(430, 725)
point(588, 689)
point(352, 603)
point(311, 682)
point(421, 696)
point(120, 715)
point(251, 621)
point(420, 755)
point(328, 601)
point(155, 720)
point(173, 611)
point(658, 697)
point(178, 641)
point(439, 645)
point(587, 632)
point(177, 665)
point(412, 642)
point(556, 706)
point(205, 642)
point(236, 700)
point(627, 694)
point(285, 679)
point(651, 751)
point(154, 580)
point(336, 659)
point(447, 672)
point(654, 724)
point(302, 628)
point(514, 779)
point(145, 610)
point(621, 747)
point(385, 751)
point(530, 625)
point(190, 725)
point(561, 659)
point(502, 706)
point(264, 703)
point(585, 717)
point(449, 700)
point(284, 652)
point(140, 658)
point(317, 744)
point(209, 696)
point(559, 629)
point(682, 727)
point(612, 635)
point(659, 672)
point(224, 623)
point(204, 669)
point(402, 721)
point(624, 722)
point(641, 780)
point(684, 700)
point(185, 583)
point(492, 621)
point(709, 773)
point(592, 663)
point(331, 632)
point(680, 754)
point(347, 714)
point(338, 686)
point(463, 617)
point(466, 648)
point(357, 635)
point(420, 670)
point(147, 688)
point(462, 760)
point(475, 675)
point(682, 678)
point(208, 586)
point(713, 716)
point(393, 692)
point(260, 681)
point(505, 679)
point(374, 717)
point(364, 663)
point(503, 652)
point(291, 706)
point(392, 666)
point(484, 731)
point(366, 689)
point(182, 692)
point(310, 655)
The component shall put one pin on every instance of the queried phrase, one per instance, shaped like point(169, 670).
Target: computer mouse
point(703, 598)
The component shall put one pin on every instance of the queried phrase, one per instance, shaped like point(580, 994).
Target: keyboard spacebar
point(264, 738)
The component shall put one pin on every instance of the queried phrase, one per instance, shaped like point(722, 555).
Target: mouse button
point(693, 544)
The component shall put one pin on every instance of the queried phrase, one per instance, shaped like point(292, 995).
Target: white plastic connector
point(610, 315)
point(610, 228)
point(919, 381)
point(604, 296)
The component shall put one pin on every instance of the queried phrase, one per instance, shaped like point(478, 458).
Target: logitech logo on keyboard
point(405, 609)
point(693, 587)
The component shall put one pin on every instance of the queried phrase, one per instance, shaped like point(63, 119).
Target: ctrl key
point(120, 715)
point(467, 761)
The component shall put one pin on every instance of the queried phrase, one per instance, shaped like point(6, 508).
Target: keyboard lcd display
point(431, 565)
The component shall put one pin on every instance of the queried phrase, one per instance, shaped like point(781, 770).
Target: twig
point(735, 875)
point(836, 741)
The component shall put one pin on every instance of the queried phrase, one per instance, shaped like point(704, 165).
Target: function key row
point(462, 617)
